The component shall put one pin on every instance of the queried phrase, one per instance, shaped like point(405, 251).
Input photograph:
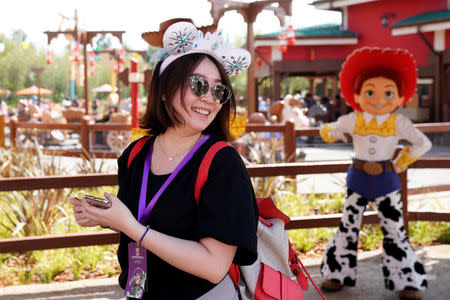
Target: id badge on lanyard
point(137, 254)
point(137, 271)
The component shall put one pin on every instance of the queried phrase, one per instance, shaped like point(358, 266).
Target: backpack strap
point(136, 149)
point(295, 264)
point(200, 181)
point(203, 170)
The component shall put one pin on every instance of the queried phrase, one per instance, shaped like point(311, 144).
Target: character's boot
point(409, 295)
point(330, 285)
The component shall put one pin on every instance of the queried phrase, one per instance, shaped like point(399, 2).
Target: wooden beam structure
point(250, 10)
point(85, 38)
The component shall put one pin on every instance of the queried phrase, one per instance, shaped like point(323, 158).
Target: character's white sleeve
point(345, 123)
point(420, 144)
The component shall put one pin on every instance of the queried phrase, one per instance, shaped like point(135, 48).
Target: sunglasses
point(200, 87)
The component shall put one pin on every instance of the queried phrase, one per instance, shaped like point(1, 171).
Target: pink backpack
point(277, 273)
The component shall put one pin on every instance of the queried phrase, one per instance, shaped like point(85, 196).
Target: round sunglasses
point(200, 87)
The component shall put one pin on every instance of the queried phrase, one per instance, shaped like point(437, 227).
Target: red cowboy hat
point(400, 61)
point(155, 38)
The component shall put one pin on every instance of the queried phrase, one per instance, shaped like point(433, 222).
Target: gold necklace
point(171, 157)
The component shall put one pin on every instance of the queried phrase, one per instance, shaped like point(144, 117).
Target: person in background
point(95, 106)
point(111, 109)
point(375, 82)
point(189, 247)
point(75, 102)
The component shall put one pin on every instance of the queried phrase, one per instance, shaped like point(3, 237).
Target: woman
point(375, 82)
point(189, 247)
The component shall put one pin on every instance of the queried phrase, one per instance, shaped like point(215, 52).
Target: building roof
point(424, 18)
point(337, 4)
point(320, 31)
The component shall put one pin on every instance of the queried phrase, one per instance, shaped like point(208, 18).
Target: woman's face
point(200, 111)
point(378, 96)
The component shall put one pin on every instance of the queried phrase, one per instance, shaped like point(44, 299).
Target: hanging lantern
point(290, 35)
point(258, 62)
point(92, 63)
point(116, 67)
point(49, 57)
point(283, 42)
point(77, 53)
point(122, 54)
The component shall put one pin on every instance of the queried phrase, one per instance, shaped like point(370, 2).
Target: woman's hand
point(80, 216)
point(118, 216)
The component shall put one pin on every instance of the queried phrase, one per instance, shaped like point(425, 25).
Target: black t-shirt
point(227, 211)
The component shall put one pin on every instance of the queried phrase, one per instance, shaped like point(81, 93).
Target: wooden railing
point(289, 169)
point(87, 127)
point(286, 169)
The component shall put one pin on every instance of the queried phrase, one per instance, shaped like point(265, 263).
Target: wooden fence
point(287, 169)
point(86, 128)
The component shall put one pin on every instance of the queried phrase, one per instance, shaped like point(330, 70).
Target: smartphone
point(98, 202)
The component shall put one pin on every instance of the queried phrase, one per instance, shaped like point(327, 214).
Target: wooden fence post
point(84, 135)
point(289, 142)
point(12, 132)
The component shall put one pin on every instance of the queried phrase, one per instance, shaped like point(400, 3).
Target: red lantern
point(92, 62)
point(291, 35)
point(49, 57)
point(283, 42)
point(258, 62)
point(122, 54)
point(116, 67)
point(77, 53)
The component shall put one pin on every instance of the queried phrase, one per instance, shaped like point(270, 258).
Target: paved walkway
point(369, 283)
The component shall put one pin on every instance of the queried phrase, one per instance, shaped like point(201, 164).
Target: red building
point(422, 27)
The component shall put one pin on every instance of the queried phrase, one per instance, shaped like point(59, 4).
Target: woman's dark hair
point(160, 115)
point(372, 73)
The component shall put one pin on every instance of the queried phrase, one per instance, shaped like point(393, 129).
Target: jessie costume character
point(375, 82)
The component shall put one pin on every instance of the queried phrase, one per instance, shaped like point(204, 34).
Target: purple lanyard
point(144, 213)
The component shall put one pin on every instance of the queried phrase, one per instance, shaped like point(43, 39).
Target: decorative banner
point(80, 73)
point(73, 71)
point(239, 123)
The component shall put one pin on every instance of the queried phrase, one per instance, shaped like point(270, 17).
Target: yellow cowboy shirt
point(376, 137)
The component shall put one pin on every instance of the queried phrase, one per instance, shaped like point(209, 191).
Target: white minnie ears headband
point(184, 38)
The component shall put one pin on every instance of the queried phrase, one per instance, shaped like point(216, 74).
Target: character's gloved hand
point(338, 135)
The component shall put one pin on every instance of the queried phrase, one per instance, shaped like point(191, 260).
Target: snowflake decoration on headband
point(183, 38)
point(159, 55)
